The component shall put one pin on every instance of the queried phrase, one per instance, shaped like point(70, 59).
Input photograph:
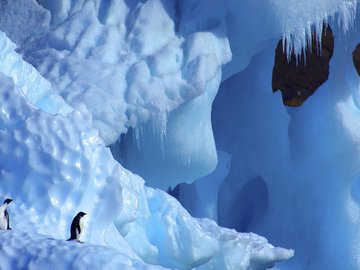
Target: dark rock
point(299, 79)
point(356, 58)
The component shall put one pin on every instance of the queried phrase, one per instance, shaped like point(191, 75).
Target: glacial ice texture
point(54, 164)
point(151, 71)
point(293, 173)
point(141, 76)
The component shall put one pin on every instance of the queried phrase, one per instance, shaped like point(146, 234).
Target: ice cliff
point(102, 99)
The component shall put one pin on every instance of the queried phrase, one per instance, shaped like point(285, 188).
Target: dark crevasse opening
point(356, 58)
point(299, 76)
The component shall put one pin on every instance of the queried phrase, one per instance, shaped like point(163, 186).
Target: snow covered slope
point(29, 250)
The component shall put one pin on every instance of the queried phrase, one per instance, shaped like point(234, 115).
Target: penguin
point(4, 216)
point(77, 226)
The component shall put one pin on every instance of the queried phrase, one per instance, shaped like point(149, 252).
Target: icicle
point(297, 36)
point(159, 126)
point(137, 135)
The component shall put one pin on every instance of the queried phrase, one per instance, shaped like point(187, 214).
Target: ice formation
point(91, 87)
point(55, 164)
point(36, 251)
point(142, 81)
point(303, 160)
point(66, 168)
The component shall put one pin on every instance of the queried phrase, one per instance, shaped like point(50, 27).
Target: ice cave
point(194, 134)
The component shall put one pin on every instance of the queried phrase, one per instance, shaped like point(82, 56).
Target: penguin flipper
point(78, 228)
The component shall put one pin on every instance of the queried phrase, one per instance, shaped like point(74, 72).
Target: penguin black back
point(76, 228)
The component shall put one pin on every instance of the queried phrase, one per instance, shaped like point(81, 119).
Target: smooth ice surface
point(201, 198)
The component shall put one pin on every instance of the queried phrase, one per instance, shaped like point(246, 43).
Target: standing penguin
point(77, 226)
point(4, 216)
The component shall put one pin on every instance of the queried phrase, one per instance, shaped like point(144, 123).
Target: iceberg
point(55, 164)
point(107, 105)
